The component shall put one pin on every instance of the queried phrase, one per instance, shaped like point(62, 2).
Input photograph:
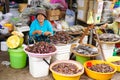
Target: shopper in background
point(40, 28)
point(115, 26)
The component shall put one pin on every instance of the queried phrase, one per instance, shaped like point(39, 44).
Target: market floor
point(8, 73)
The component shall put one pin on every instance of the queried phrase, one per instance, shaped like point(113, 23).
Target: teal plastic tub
point(17, 58)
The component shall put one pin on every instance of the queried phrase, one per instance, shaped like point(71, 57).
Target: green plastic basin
point(17, 58)
point(82, 59)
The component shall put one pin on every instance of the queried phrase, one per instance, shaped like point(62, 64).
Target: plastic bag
point(58, 25)
point(64, 25)
point(70, 17)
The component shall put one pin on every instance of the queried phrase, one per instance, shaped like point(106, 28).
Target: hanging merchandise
point(70, 17)
point(90, 18)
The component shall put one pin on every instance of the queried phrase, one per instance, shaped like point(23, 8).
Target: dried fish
point(103, 68)
point(116, 62)
point(66, 68)
point(109, 37)
point(87, 50)
point(61, 37)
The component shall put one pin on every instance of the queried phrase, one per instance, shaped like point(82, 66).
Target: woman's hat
point(41, 11)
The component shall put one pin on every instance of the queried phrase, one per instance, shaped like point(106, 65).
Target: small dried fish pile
point(103, 68)
point(109, 37)
point(74, 30)
point(66, 68)
point(87, 50)
point(61, 37)
point(116, 62)
point(41, 48)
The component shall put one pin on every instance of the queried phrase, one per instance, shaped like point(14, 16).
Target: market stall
point(68, 53)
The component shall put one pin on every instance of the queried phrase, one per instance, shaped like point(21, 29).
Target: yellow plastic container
point(97, 75)
point(60, 76)
point(114, 58)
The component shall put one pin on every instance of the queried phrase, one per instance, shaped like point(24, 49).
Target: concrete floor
point(8, 73)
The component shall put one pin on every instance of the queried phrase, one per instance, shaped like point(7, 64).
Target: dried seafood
point(107, 37)
point(103, 68)
point(74, 30)
point(41, 48)
point(87, 50)
point(66, 68)
point(61, 37)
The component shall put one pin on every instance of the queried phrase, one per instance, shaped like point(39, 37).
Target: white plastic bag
point(70, 17)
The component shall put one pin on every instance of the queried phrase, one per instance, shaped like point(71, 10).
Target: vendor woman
point(40, 28)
